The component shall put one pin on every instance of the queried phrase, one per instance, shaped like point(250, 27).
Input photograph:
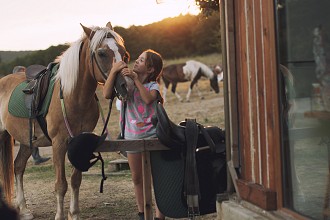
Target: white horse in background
point(190, 71)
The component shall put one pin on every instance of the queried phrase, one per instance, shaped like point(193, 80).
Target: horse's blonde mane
point(69, 67)
point(99, 35)
point(69, 61)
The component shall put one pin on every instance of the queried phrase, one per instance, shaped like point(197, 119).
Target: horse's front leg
point(19, 167)
point(76, 178)
point(192, 84)
point(61, 185)
point(199, 92)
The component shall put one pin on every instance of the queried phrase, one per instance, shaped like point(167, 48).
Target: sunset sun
point(179, 7)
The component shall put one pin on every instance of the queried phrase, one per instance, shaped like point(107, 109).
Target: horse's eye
point(102, 53)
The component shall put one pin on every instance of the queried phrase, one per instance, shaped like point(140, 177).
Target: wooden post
point(147, 185)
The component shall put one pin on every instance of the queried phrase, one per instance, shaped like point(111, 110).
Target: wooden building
point(277, 89)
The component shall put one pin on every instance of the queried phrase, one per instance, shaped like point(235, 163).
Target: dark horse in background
point(73, 109)
point(190, 71)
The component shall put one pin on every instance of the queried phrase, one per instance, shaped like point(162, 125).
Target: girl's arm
point(147, 96)
point(109, 84)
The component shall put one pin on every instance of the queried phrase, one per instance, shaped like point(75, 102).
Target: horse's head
point(217, 69)
point(106, 47)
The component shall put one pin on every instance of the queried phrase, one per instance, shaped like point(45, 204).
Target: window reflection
point(304, 73)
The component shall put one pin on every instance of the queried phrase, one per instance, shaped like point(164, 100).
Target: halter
point(93, 57)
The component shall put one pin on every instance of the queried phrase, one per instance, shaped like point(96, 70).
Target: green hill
point(179, 37)
point(8, 56)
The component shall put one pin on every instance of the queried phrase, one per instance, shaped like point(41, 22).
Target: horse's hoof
point(73, 217)
point(26, 216)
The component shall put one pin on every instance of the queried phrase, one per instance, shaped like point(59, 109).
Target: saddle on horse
point(188, 177)
point(38, 81)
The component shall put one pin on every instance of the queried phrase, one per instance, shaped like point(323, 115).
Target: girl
point(140, 107)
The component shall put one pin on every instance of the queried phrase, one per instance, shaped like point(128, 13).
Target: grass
point(210, 59)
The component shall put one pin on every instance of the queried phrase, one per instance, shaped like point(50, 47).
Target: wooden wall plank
point(253, 91)
point(243, 90)
point(272, 126)
point(261, 91)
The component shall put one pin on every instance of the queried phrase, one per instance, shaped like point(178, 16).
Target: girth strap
point(191, 182)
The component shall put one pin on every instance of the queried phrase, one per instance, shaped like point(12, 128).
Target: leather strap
point(191, 175)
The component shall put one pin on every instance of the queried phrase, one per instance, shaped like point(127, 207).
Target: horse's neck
point(84, 91)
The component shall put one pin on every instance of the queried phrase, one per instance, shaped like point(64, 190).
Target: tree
point(207, 7)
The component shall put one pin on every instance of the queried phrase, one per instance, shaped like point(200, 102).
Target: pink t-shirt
point(138, 115)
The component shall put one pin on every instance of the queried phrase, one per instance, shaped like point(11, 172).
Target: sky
point(39, 24)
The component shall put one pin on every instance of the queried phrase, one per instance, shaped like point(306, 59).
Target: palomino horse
point(84, 65)
point(190, 71)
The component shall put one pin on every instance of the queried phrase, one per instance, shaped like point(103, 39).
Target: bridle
point(93, 58)
point(103, 72)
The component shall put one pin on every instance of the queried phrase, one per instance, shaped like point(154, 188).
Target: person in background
point(139, 109)
point(35, 151)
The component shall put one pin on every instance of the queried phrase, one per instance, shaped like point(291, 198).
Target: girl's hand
point(129, 73)
point(117, 67)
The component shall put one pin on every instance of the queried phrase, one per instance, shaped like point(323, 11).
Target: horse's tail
point(7, 164)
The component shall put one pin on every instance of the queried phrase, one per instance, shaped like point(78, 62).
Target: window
point(304, 73)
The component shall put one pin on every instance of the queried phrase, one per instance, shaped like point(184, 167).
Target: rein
point(98, 66)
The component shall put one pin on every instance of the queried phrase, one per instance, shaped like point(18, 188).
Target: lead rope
point(100, 157)
point(102, 115)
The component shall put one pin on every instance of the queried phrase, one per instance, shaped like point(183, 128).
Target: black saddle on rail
point(174, 136)
point(188, 177)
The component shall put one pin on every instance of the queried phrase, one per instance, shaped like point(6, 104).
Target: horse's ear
point(109, 25)
point(89, 32)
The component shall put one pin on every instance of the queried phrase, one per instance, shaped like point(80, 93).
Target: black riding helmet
point(81, 148)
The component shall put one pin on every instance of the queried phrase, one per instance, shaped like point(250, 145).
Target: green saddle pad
point(16, 105)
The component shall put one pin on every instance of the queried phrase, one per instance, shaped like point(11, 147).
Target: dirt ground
point(117, 201)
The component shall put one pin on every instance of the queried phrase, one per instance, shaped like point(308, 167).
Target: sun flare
point(176, 7)
point(169, 8)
